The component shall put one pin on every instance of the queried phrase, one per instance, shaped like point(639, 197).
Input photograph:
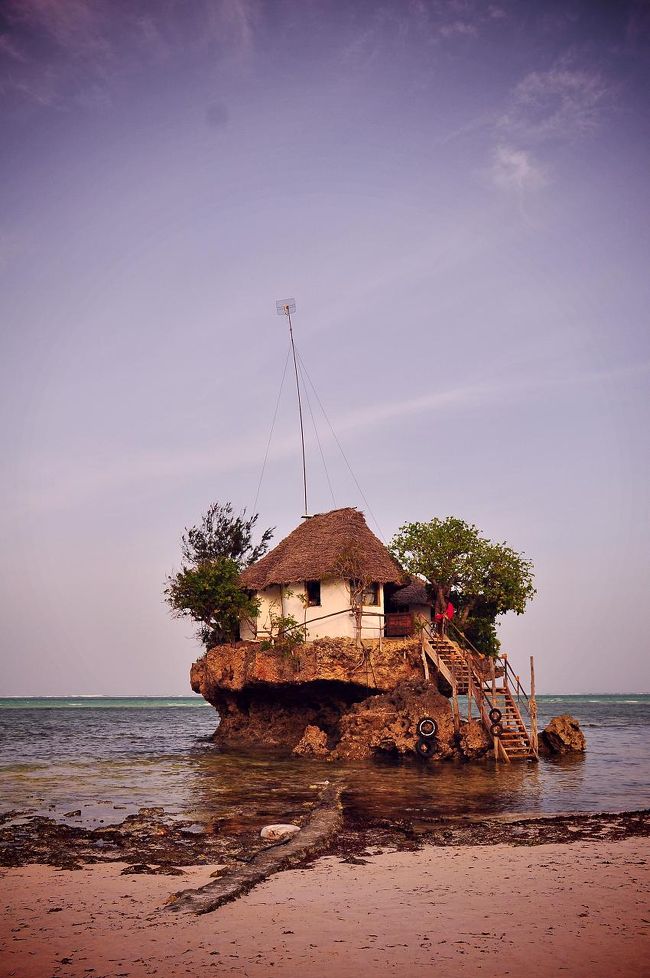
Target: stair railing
point(431, 651)
point(515, 685)
point(485, 697)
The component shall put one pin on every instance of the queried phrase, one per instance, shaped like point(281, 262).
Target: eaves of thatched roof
point(334, 544)
point(413, 593)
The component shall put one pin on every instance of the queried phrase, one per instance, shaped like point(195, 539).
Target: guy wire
point(340, 447)
point(275, 416)
point(313, 421)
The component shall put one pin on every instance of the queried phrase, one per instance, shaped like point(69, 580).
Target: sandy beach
point(580, 908)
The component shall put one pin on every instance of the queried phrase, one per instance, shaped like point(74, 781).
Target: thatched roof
point(334, 544)
point(413, 593)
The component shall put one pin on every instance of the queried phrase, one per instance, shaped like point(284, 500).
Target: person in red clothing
point(442, 617)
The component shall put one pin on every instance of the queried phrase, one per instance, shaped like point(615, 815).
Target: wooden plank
point(456, 711)
point(533, 710)
point(426, 667)
point(399, 624)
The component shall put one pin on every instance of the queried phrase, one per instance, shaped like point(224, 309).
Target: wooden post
point(533, 708)
point(426, 666)
point(456, 711)
point(424, 658)
point(470, 689)
point(494, 703)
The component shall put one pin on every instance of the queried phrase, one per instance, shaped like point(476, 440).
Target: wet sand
point(580, 908)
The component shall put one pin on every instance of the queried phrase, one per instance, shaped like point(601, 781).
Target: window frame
point(374, 589)
point(373, 586)
point(311, 603)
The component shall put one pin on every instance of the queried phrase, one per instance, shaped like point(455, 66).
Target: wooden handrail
point(438, 662)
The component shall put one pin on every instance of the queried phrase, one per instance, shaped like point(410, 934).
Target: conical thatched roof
point(334, 544)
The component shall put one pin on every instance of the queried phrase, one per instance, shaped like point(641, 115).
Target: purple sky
point(455, 192)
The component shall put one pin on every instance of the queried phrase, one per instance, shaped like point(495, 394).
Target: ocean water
point(106, 758)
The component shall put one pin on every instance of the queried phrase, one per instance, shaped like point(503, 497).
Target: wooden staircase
point(490, 685)
point(455, 660)
point(515, 740)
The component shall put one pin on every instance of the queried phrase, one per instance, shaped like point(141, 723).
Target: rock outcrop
point(387, 723)
point(313, 743)
point(328, 698)
point(244, 665)
point(563, 736)
point(475, 741)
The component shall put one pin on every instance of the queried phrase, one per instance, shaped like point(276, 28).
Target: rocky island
point(343, 660)
point(330, 699)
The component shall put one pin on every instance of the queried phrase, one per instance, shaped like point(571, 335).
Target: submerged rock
point(387, 723)
point(313, 743)
point(279, 833)
point(475, 741)
point(563, 736)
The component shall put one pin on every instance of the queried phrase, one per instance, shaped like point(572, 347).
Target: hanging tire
point(424, 747)
point(495, 715)
point(427, 727)
point(496, 729)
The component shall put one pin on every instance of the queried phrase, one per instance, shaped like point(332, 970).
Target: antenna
point(284, 307)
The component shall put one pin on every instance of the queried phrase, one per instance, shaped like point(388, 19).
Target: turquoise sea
point(107, 757)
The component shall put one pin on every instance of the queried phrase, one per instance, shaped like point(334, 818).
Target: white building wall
point(270, 600)
point(372, 622)
point(335, 604)
point(247, 630)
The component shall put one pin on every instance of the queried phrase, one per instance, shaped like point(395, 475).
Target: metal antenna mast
point(285, 307)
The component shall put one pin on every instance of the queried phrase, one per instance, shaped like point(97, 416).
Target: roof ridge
point(319, 546)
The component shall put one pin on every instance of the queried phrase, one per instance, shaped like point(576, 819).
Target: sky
point(456, 195)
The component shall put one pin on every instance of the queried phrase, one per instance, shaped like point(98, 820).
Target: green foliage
point(482, 579)
point(482, 633)
point(207, 588)
point(210, 594)
point(286, 633)
point(220, 534)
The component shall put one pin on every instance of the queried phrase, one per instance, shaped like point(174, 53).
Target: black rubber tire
point(424, 747)
point(495, 715)
point(496, 729)
point(427, 727)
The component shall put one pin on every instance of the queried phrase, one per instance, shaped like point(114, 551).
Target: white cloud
point(458, 28)
point(55, 51)
point(563, 102)
point(566, 102)
point(64, 483)
point(516, 169)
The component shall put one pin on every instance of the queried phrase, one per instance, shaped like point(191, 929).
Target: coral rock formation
point(330, 698)
point(563, 736)
point(387, 723)
point(474, 740)
point(313, 743)
point(267, 698)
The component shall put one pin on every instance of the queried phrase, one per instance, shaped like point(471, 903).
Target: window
point(312, 590)
point(369, 594)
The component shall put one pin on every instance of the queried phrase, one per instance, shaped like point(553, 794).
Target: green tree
point(221, 534)
point(210, 594)
point(207, 587)
point(482, 579)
